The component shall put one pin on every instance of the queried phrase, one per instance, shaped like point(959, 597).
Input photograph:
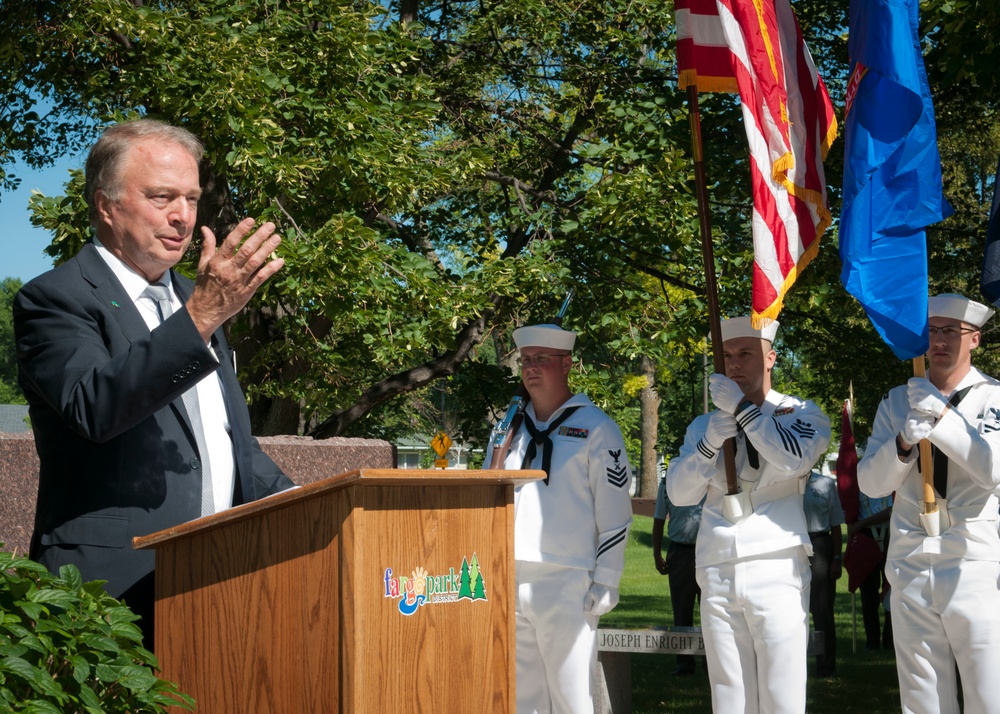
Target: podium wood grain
point(281, 606)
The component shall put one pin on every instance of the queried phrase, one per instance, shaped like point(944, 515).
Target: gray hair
point(104, 161)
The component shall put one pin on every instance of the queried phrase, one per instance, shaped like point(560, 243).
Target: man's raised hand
point(229, 275)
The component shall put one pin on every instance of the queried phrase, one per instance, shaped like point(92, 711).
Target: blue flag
point(892, 173)
point(989, 283)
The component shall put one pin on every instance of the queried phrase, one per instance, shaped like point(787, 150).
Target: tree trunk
point(649, 404)
point(408, 10)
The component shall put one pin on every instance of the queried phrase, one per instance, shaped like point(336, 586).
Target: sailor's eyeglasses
point(539, 360)
point(949, 332)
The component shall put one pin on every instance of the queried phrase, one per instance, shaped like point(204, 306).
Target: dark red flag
point(862, 554)
point(847, 468)
point(861, 557)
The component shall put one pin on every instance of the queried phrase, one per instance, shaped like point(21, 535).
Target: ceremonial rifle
point(504, 432)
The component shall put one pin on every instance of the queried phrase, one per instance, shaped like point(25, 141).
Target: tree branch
point(447, 364)
point(416, 242)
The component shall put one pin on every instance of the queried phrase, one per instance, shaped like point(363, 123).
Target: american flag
point(757, 49)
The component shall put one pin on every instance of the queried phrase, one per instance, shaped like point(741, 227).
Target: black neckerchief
point(542, 437)
point(753, 457)
point(940, 458)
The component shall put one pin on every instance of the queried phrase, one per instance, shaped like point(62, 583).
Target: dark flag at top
point(989, 283)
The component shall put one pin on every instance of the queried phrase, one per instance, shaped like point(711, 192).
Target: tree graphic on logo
point(479, 593)
point(465, 586)
point(471, 586)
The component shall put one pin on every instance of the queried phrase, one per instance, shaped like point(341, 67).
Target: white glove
point(726, 394)
point(918, 426)
point(600, 600)
point(721, 426)
point(925, 397)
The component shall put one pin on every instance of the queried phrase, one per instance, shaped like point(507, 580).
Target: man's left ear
point(974, 339)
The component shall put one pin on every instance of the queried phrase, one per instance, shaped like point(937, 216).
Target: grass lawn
point(866, 682)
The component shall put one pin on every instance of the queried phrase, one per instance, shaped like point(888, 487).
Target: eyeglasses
point(949, 332)
point(539, 360)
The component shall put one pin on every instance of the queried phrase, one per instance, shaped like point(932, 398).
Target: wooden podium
point(369, 592)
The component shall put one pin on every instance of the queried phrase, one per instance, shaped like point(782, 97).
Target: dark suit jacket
point(118, 458)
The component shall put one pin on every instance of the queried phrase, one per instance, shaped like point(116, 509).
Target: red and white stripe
point(703, 56)
point(789, 121)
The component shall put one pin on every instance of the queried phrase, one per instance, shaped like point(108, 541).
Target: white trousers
point(754, 618)
point(946, 610)
point(556, 640)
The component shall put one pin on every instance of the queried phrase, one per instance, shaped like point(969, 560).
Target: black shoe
point(682, 672)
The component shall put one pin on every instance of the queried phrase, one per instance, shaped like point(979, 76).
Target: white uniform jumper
point(945, 598)
point(754, 574)
point(568, 534)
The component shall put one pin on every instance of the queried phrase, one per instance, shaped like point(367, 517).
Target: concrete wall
point(305, 460)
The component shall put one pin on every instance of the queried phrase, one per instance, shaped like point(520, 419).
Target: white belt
point(950, 514)
point(783, 489)
point(748, 500)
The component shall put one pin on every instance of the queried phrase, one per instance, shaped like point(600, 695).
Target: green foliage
point(66, 217)
point(67, 646)
point(426, 178)
point(37, 120)
point(10, 392)
point(962, 47)
point(440, 182)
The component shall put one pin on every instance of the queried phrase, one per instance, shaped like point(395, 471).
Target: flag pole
point(708, 256)
point(854, 609)
point(854, 625)
point(926, 461)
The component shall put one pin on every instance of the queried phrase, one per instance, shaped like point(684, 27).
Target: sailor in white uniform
point(945, 599)
point(752, 561)
point(570, 530)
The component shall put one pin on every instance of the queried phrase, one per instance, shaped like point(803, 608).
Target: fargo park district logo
point(422, 588)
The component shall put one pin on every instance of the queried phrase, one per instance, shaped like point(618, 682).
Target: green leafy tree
point(963, 49)
point(437, 183)
point(442, 172)
point(10, 392)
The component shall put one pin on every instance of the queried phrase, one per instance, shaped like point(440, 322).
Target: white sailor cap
point(551, 336)
point(959, 307)
point(741, 327)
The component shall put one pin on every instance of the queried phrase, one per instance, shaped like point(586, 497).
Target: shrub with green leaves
point(67, 646)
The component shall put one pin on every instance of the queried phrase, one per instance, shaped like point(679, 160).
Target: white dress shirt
point(214, 418)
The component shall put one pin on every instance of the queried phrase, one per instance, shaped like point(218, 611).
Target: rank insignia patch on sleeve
point(617, 473)
point(992, 420)
point(804, 429)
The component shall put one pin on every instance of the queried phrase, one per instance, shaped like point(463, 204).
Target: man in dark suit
point(139, 421)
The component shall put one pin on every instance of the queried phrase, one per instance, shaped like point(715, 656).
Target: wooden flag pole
point(708, 256)
point(926, 461)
